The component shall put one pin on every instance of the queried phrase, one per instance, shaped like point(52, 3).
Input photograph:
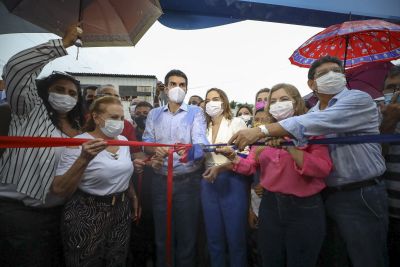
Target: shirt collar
point(333, 99)
point(183, 107)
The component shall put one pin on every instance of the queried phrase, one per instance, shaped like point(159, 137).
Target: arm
point(247, 137)
point(149, 133)
point(73, 166)
point(297, 155)
point(246, 166)
point(391, 116)
point(352, 113)
point(22, 69)
point(316, 161)
point(199, 129)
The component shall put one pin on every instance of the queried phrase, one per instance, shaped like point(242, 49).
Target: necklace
point(114, 155)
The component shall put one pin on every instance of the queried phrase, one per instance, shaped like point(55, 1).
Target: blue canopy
point(197, 14)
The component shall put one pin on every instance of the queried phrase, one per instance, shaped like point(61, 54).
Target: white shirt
point(105, 174)
point(226, 130)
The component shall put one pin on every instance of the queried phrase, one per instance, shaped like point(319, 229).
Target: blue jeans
point(361, 216)
point(291, 230)
point(185, 217)
point(225, 206)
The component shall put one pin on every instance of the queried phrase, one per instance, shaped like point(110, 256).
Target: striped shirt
point(31, 170)
point(392, 178)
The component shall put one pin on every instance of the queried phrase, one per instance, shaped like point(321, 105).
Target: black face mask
point(89, 102)
point(141, 121)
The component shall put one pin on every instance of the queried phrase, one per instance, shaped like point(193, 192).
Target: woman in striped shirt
point(50, 107)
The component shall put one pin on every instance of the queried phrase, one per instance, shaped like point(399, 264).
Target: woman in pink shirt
point(291, 215)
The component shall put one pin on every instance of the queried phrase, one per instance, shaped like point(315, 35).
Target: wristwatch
point(264, 130)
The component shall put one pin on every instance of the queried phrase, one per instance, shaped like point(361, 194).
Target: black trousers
point(29, 236)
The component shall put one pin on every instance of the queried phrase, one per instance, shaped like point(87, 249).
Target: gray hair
point(101, 87)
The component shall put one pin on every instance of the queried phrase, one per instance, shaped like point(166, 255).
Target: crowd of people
point(272, 204)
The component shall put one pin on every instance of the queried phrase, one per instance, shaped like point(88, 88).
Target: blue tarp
point(197, 14)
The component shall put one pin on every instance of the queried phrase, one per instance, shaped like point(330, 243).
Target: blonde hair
point(298, 106)
point(99, 106)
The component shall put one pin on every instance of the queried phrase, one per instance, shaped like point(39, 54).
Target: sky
point(239, 58)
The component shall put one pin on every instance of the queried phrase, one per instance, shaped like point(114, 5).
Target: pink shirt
point(279, 172)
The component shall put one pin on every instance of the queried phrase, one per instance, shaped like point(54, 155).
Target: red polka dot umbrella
point(354, 42)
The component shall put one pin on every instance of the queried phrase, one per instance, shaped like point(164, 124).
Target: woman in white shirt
point(224, 194)
point(95, 222)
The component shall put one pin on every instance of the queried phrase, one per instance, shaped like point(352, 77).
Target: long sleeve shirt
point(349, 113)
point(29, 171)
point(185, 126)
point(280, 173)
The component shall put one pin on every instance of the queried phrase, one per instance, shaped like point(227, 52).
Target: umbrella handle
point(78, 42)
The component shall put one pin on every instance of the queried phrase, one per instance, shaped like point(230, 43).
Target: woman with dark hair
point(291, 226)
point(261, 99)
point(29, 212)
point(95, 222)
point(246, 114)
point(224, 194)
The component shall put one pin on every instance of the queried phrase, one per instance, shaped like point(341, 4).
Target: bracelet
point(264, 130)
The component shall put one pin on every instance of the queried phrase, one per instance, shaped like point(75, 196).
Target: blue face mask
point(2, 95)
point(388, 98)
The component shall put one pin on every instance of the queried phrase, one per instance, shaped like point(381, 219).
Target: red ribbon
point(169, 206)
point(24, 141)
point(31, 142)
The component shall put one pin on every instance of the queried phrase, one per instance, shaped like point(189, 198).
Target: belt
point(111, 199)
point(183, 176)
point(354, 186)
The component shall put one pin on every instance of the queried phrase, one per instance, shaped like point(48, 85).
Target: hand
point(138, 165)
point(253, 219)
point(136, 208)
point(275, 142)
point(246, 137)
point(393, 109)
point(259, 190)
point(180, 150)
point(161, 152)
point(156, 162)
point(91, 148)
point(211, 174)
point(72, 33)
point(227, 151)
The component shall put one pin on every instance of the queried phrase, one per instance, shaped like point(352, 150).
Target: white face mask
point(214, 108)
point(331, 83)
point(245, 117)
point(112, 128)
point(281, 110)
point(176, 94)
point(62, 103)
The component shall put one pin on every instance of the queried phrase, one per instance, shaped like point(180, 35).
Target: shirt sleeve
point(316, 162)
point(68, 157)
point(21, 71)
point(199, 128)
point(238, 124)
point(149, 134)
point(248, 165)
point(354, 112)
point(130, 134)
